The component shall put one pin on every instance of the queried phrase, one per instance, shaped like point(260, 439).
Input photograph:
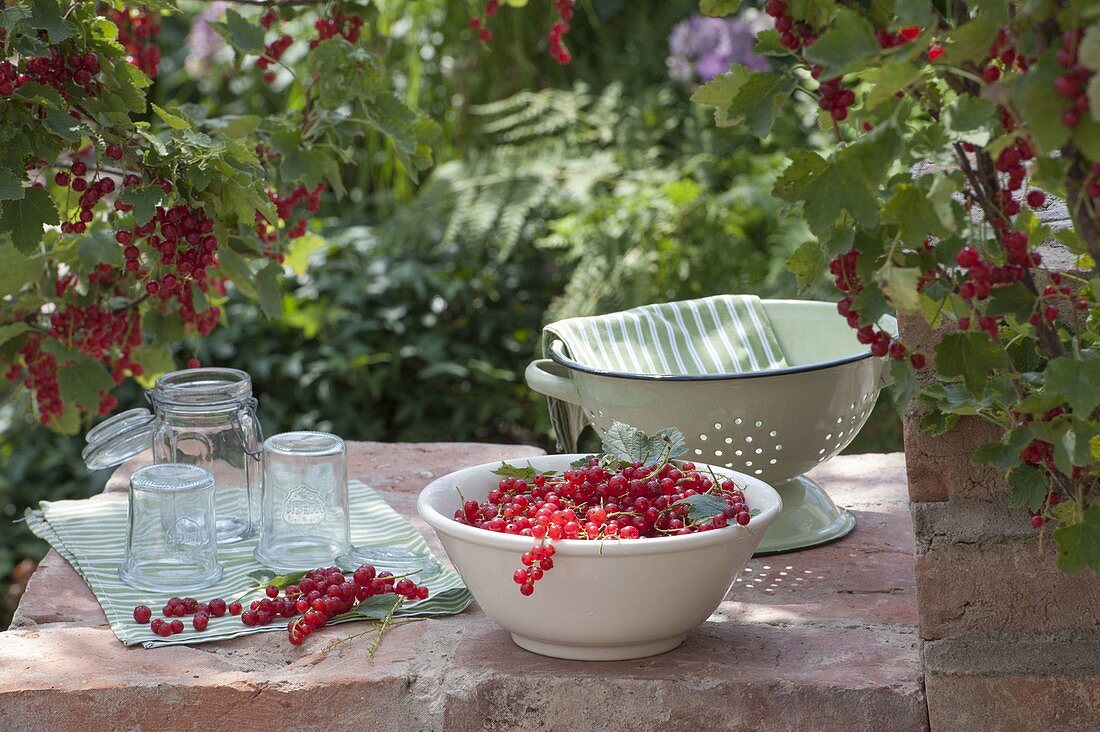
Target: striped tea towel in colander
point(724, 334)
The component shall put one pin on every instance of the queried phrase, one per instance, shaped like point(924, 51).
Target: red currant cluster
point(136, 30)
point(39, 374)
point(593, 502)
point(339, 24)
point(886, 39)
point(793, 34)
point(846, 279)
point(272, 53)
point(559, 29)
point(1073, 84)
point(59, 71)
point(835, 99)
point(284, 208)
point(182, 607)
point(323, 594)
point(492, 7)
point(9, 78)
point(91, 191)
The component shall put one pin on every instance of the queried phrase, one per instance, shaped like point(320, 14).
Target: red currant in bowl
point(578, 598)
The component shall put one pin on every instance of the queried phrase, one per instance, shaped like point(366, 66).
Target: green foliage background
point(561, 191)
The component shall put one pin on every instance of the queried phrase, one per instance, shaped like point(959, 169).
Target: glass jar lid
point(116, 440)
point(202, 387)
point(171, 478)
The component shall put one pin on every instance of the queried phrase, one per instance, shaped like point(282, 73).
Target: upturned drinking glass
point(305, 501)
point(171, 543)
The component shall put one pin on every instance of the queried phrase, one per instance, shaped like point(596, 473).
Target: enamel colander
point(774, 425)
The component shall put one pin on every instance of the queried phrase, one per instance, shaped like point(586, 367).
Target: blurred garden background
point(411, 309)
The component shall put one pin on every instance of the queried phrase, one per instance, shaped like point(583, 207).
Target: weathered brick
point(975, 572)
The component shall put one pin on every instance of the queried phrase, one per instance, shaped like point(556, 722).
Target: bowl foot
point(809, 517)
point(598, 653)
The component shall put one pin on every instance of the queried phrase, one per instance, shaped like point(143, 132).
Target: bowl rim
point(763, 496)
point(555, 353)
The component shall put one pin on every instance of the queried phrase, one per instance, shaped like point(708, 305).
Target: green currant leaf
point(175, 121)
point(847, 44)
point(1077, 380)
point(46, 15)
point(972, 357)
point(628, 444)
point(378, 607)
point(247, 36)
point(269, 288)
point(1015, 300)
point(23, 220)
point(1079, 543)
point(1040, 105)
point(997, 454)
point(1029, 487)
point(144, 199)
point(82, 381)
point(511, 471)
point(970, 41)
point(266, 577)
point(806, 264)
point(12, 330)
point(914, 214)
point(827, 188)
point(899, 285)
point(99, 247)
point(743, 95)
point(702, 507)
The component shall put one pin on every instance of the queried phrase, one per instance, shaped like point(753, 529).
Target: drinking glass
point(171, 543)
point(304, 521)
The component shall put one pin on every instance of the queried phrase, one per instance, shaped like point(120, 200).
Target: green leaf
point(23, 220)
point(1079, 544)
point(1077, 380)
point(247, 36)
point(886, 80)
point(1015, 300)
point(378, 607)
point(1029, 487)
point(629, 444)
point(511, 471)
point(702, 507)
point(17, 269)
point(82, 381)
point(914, 214)
point(827, 188)
point(970, 119)
point(913, 12)
point(11, 185)
point(744, 95)
point(899, 284)
point(174, 121)
point(970, 41)
point(806, 264)
point(1040, 105)
point(46, 15)
point(99, 247)
point(266, 577)
point(849, 40)
point(297, 255)
point(144, 199)
point(7, 332)
point(997, 454)
point(971, 357)
point(269, 287)
point(719, 8)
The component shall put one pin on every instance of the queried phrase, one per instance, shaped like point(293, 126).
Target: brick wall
point(1009, 642)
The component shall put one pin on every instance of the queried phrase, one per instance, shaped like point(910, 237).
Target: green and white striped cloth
point(724, 334)
point(91, 535)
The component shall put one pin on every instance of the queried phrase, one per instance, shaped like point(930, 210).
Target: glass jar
point(204, 417)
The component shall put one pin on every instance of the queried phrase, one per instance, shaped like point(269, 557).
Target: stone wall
point(1009, 641)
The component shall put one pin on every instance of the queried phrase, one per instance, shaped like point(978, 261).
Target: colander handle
point(540, 378)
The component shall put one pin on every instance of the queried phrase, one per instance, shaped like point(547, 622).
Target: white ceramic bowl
point(603, 600)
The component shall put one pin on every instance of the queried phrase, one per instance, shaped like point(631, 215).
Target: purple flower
point(701, 48)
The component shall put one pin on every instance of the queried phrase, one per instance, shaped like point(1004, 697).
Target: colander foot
point(809, 517)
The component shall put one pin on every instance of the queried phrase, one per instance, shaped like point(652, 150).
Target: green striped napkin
point(724, 334)
point(91, 535)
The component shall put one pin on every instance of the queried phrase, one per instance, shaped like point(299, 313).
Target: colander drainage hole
point(737, 453)
point(729, 440)
point(717, 425)
point(698, 451)
point(748, 438)
point(737, 421)
point(773, 433)
point(758, 471)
